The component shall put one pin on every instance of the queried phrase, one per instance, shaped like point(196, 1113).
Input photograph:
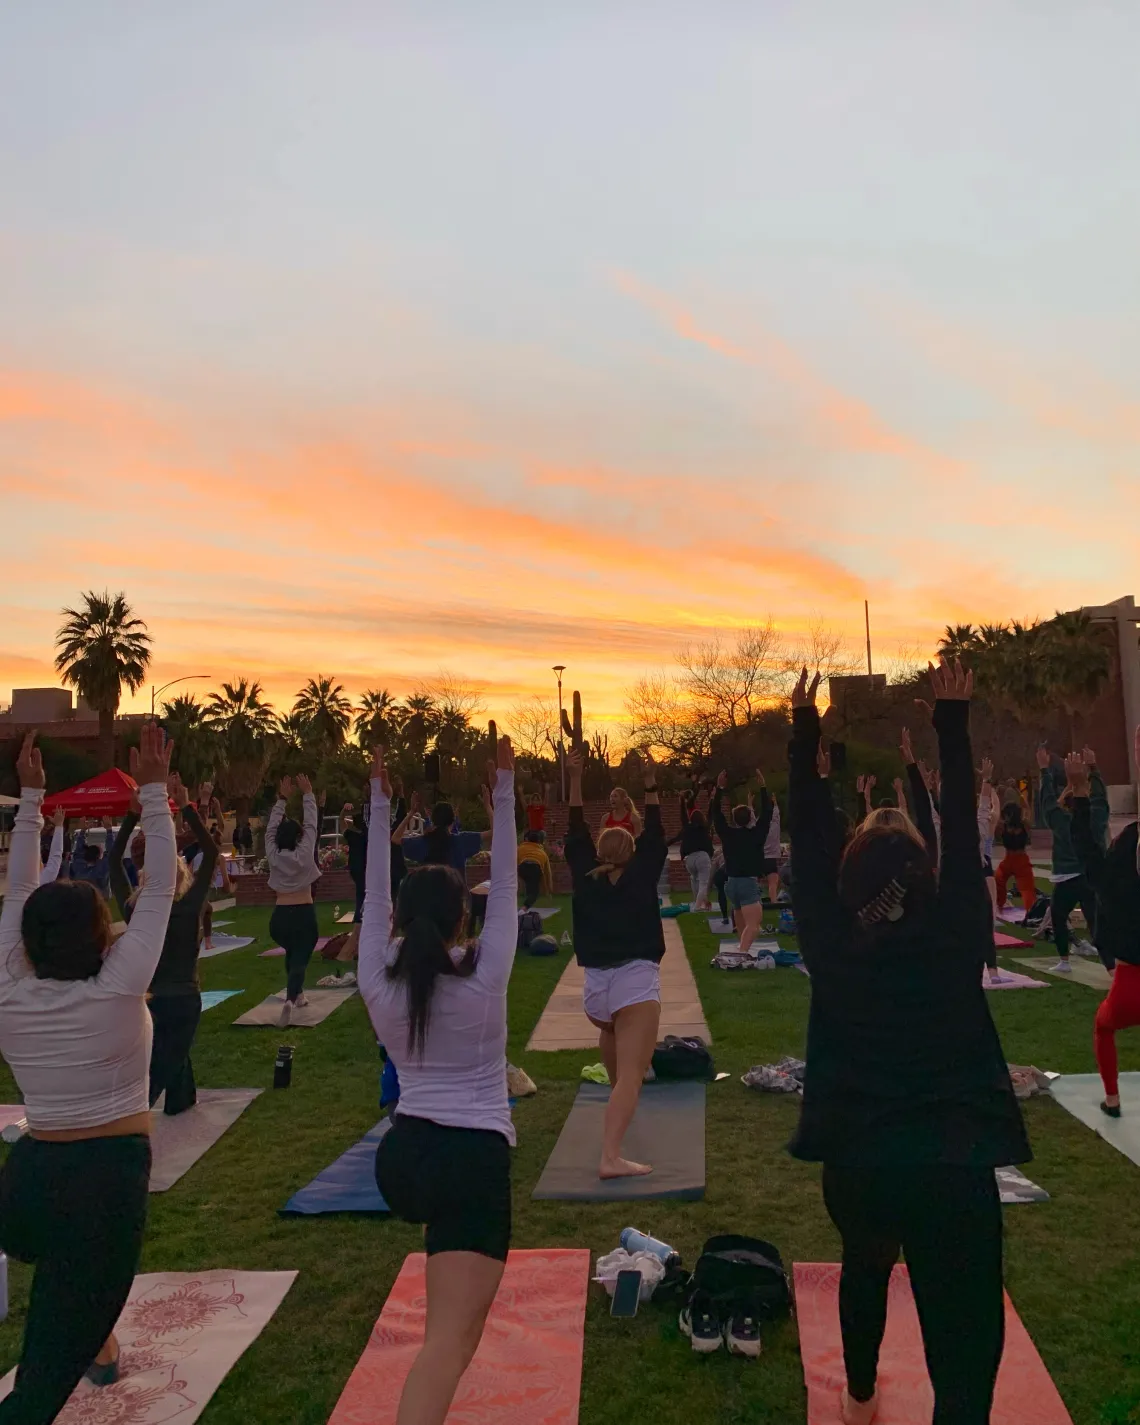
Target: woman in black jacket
point(907, 1098)
point(697, 850)
point(619, 942)
point(175, 999)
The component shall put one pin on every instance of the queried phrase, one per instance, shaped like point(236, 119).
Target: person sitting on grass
point(438, 1003)
point(1115, 877)
point(619, 942)
point(907, 1099)
point(535, 871)
point(743, 840)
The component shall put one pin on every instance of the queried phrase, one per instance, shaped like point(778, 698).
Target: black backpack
point(530, 926)
point(676, 1058)
point(743, 1272)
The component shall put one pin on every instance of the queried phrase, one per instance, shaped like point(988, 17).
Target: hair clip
point(887, 905)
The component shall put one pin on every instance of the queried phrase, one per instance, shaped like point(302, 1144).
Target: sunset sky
point(372, 339)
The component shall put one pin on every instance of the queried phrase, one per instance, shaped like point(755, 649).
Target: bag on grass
point(677, 1058)
point(530, 927)
point(543, 945)
point(744, 1270)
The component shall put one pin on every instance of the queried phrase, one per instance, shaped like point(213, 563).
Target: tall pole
point(559, 669)
point(867, 625)
point(189, 678)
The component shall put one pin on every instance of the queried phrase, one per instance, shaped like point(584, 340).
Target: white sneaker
point(286, 1017)
point(1084, 947)
point(1063, 967)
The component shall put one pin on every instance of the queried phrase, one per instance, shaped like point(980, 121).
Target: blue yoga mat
point(348, 1185)
point(210, 998)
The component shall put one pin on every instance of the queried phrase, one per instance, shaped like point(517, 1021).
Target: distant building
point(854, 687)
point(1115, 715)
point(52, 714)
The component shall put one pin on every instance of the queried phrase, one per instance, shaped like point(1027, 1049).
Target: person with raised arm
point(1115, 878)
point(75, 1032)
point(619, 942)
point(54, 860)
point(697, 849)
point(438, 1003)
point(743, 841)
point(622, 814)
point(1070, 885)
point(291, 849)
point(907, 1099)
point(175, 991)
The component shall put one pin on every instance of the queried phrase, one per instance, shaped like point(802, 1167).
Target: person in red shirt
point(534, 810)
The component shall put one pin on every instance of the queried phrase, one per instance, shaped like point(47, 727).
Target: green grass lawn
point(1072, 1264)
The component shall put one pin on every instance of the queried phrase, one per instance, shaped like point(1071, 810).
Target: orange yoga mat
point(1025, 1394)
point(528, 1368)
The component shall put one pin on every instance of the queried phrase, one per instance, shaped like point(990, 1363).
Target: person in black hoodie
point(1115, 878)
point(743, 839)
point(907, 1098)
point(619, 941)
point(356, 844)
point(696, 849)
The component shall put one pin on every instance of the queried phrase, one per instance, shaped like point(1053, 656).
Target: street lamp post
point(189, 678)
point(558, 670)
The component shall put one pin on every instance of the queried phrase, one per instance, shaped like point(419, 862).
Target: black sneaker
point(701, 1323)
point(742, 1334)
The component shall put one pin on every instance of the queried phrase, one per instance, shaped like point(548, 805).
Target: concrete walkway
point(563, 1025)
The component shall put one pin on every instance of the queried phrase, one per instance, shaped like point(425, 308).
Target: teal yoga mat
point(1082, 1094)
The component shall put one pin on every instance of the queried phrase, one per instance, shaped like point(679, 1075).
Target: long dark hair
point(1011, 816)
point(885, 875)
point(438, 835)
point(66, 929)
point(431, 913)
point(288, 835)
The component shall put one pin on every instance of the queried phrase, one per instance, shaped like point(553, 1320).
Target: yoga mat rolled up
point(1025, 1393)
point(347, 1185)
point(668, 1131)
point(528, 1368)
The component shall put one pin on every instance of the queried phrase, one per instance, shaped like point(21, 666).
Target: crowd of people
point(907, 1099)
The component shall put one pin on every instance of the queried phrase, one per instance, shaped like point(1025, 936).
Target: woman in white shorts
point(619, 943)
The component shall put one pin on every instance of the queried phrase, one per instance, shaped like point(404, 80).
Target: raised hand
point(59, 816)
point(177, 793)
point(927, 776)
point(1042, 756)
point(304, 786)
point(108, 824)
point(987, 769)
point(649, 767)
point(416, 803)
point(574, 762)
point(30, 763)
point(803, 694)
point(1077, 773)
point(722, 778)
point(505, 754)
point(1088, 756)
point(860, 782)
point(900, 790)
point(485, 792)
point(760, 777)
point(950, 682)
point(823, 761)
point(905, 748)
point(285, 788)
point(150, 760)
point(378, 772)
point(870, 784)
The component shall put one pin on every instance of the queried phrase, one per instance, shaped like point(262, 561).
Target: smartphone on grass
point(627, 1294)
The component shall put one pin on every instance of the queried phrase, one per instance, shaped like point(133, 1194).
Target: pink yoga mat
point(1011, 981)
point(1011, 941)
point(528, 1368)
point(1025, 1394)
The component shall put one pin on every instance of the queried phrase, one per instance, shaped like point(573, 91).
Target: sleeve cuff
point(152, 795)
point(31, 796)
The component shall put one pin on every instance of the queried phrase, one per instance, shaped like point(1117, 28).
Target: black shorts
point(987, 868)
point(456, 1181)
point(771, 866)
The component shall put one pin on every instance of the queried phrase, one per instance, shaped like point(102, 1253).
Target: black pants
point(358, 910)
point(1067, 895)
point(947, 1221)
point(530, 873)
point(175, 1019)
point(720, 880)
point(294, 927)
point(77, 1212)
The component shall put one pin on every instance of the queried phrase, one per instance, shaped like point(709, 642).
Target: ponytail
point(430, 916)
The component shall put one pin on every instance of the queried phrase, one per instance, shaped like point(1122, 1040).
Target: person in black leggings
point(291, 849)
point(907, 1099)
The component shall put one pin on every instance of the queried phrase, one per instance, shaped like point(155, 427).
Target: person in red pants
point(1015, 865)
point(1115, 877)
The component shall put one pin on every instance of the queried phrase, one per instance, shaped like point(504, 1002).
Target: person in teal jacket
point(1070, 884)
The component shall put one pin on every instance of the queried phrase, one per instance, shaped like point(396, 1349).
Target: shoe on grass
point(742, 1334)
point(701, 1323)
point(1086, 948)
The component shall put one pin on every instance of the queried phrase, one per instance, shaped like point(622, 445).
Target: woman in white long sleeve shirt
point(76, 1034)
point(439, 1006)
point(290, 848)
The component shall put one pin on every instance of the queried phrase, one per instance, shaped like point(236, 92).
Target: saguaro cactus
point(574, 730)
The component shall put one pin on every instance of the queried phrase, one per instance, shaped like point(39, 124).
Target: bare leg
point(460, 1289)
point(753, 917)
point(773, 885)
point(635, 1037)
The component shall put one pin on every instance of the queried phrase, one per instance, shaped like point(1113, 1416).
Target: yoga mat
point(177, 1143)
point(544, 912)
point(321, 1003)
point(668, 1130)
point(221, 924)
point(528, 1368)
point(226, 903)
point(276, 951)
point(1010, 942)
point(1015, 1187)
point(1082, 1094)
point(1084, 972)
point(1013, 913)
point(212, 998)
point(346, 918)
point(721, 927)
point(1025, 1394)
point(563, 1025)
point(11, 1114)
point(348, 1185)
point(222, 943)
point(1010, 980)
point(180, 1334)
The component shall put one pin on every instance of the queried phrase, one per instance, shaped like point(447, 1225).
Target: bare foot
point(857, 1412)
point(623, 1168)
point(108, 1352)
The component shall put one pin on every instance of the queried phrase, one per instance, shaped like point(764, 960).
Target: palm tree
point(326, 710)
point(100, 647)
point(195, 748)
point(292, 730)
point(1077, 664)
point(377, 718)
point(958, 640)
point(245, 722)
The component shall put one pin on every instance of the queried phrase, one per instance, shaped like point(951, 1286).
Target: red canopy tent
point(108, 794)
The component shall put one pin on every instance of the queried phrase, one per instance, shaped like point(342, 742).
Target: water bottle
point(634, 1241)
point(3, 1287)
point(283, 1068)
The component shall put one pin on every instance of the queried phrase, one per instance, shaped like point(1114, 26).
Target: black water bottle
point(283, 1067)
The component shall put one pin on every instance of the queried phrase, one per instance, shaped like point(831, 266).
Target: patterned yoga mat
point(179, 1336)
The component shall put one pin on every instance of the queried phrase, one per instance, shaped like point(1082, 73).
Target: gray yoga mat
point(668, 1130)
point(321, 1003)
point(1082, 1095)
point(1015, 1187)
